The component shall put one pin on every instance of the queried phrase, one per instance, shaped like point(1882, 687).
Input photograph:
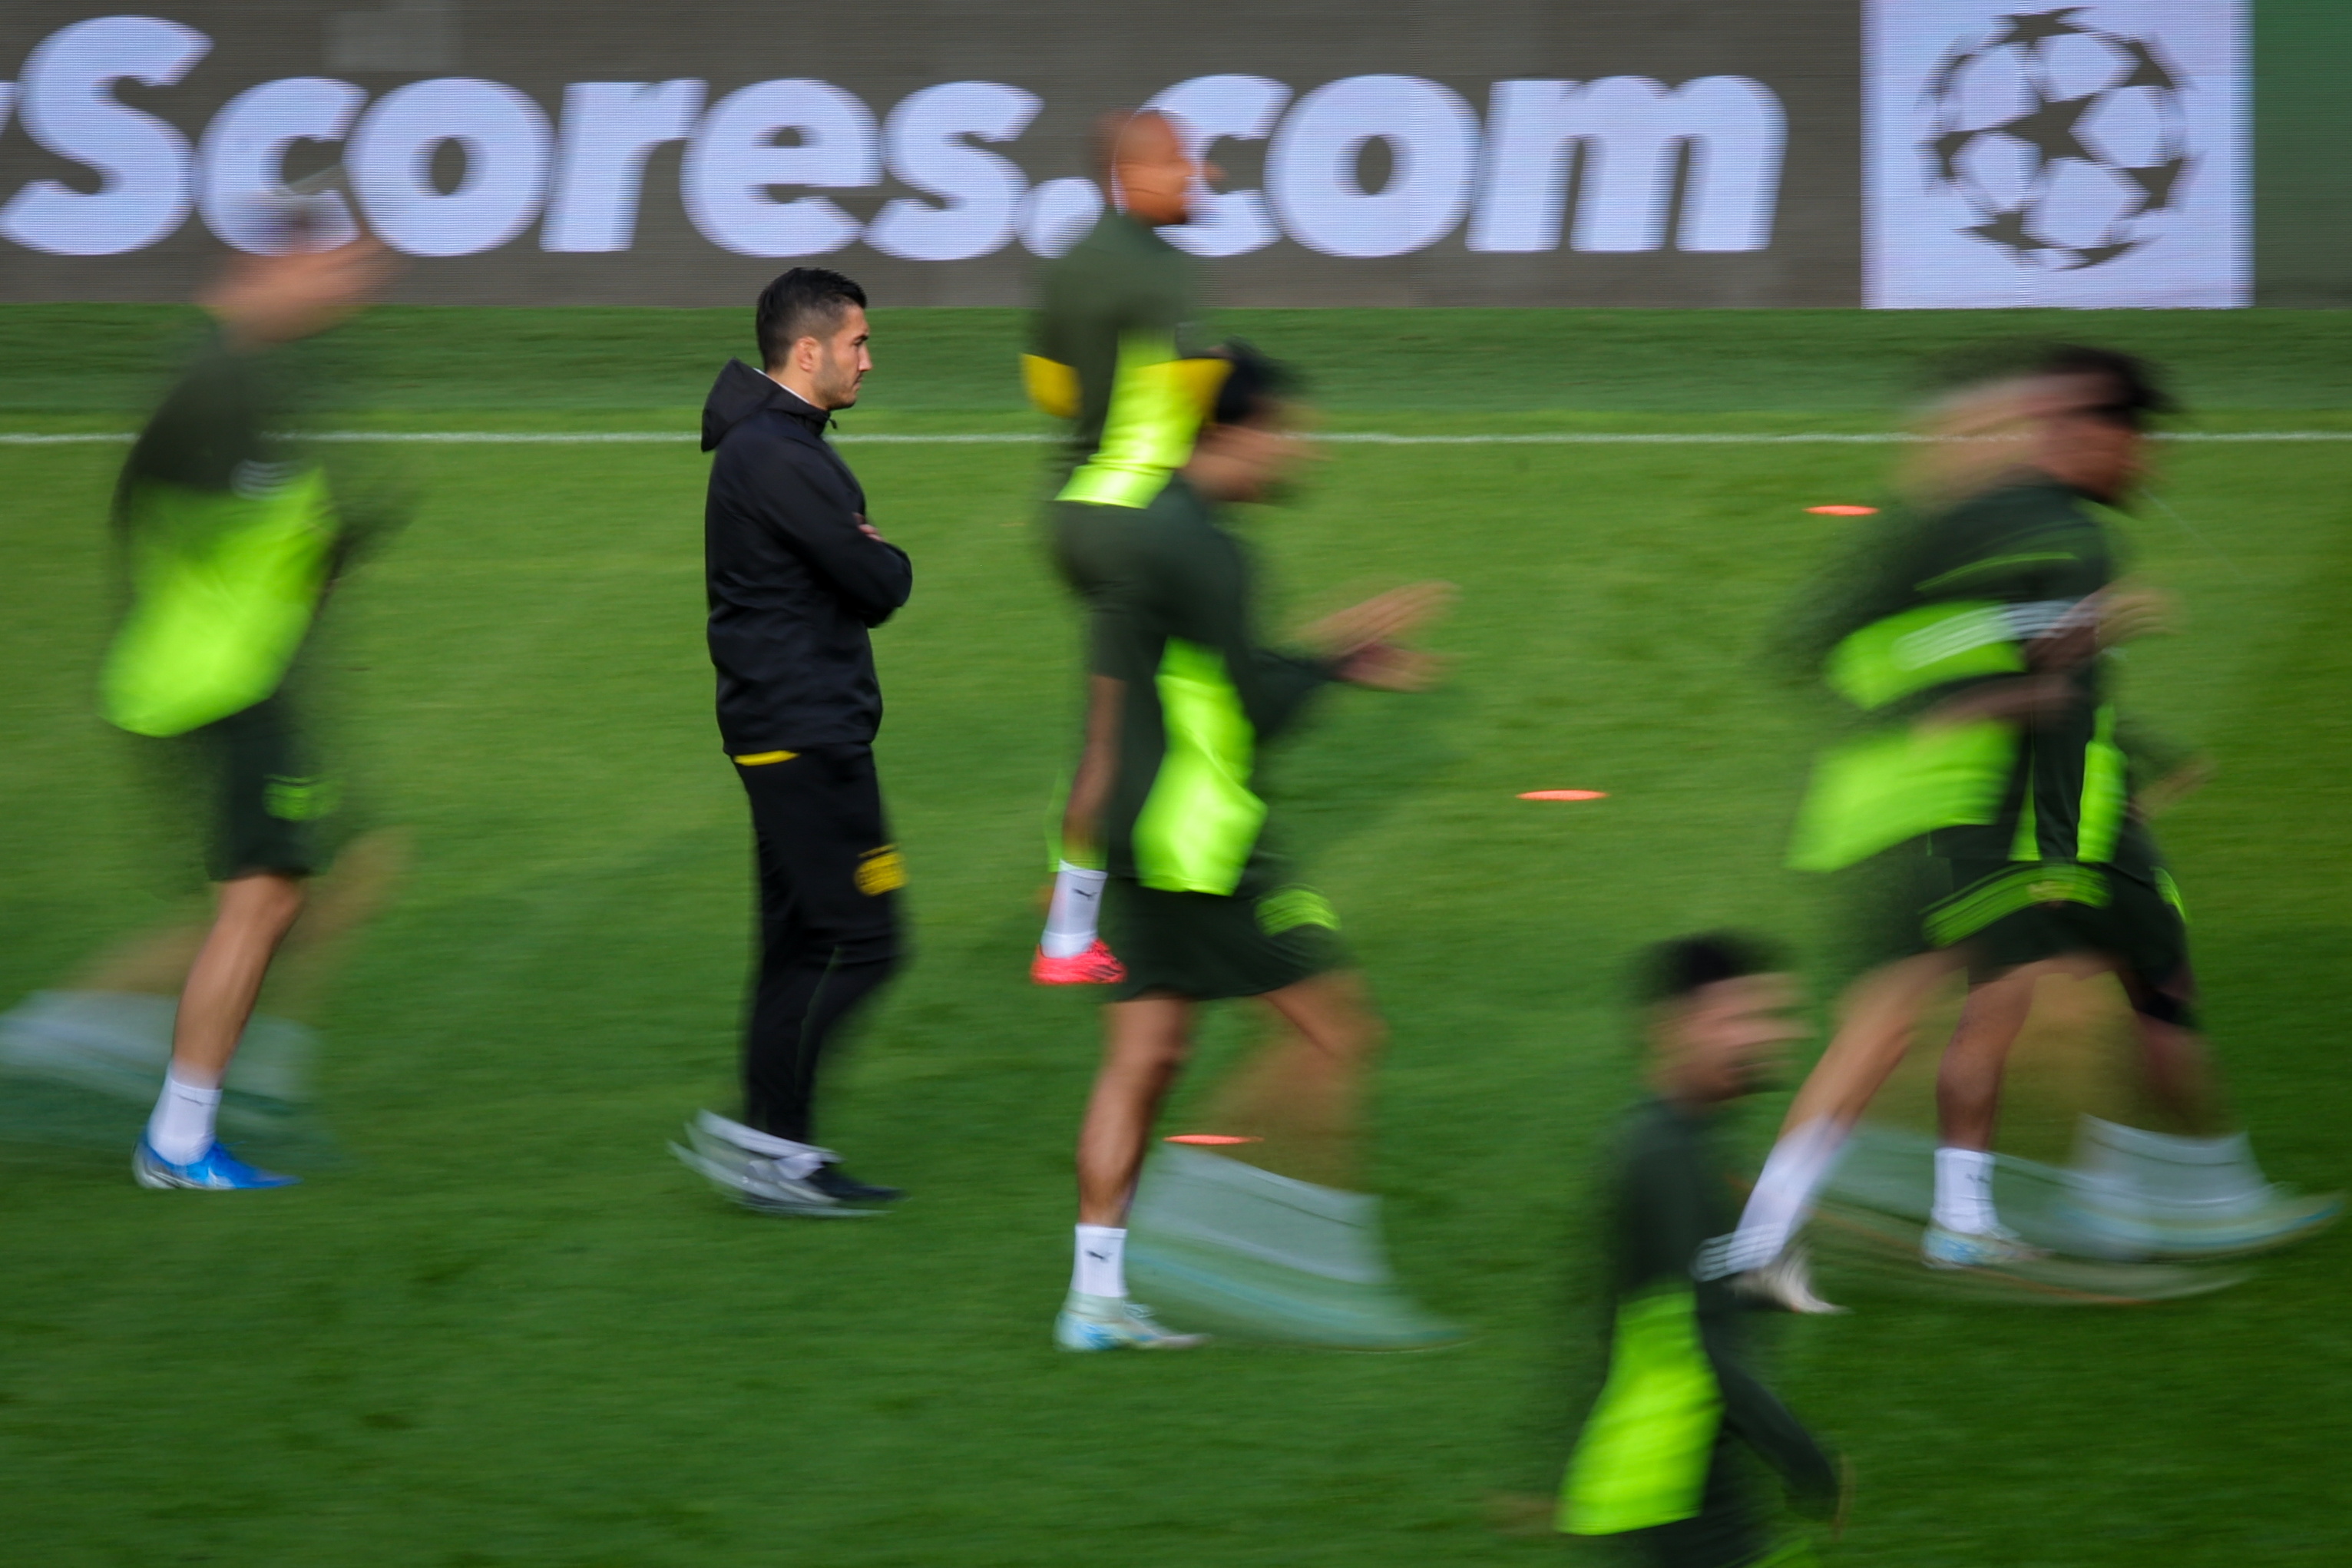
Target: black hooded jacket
point(794, 581)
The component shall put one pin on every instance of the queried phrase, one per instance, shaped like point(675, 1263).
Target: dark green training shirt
point(215, 430)
point(1112, 309)
point(229, 538)
point(1652, 1437)
point(1175, 624)
point(2033, 553)
point(1949, 602)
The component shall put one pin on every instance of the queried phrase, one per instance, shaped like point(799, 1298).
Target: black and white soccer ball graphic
point(2069, 145)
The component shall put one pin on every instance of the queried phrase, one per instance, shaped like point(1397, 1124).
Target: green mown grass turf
point(510, 1331)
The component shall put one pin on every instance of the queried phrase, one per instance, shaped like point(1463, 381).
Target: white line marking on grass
point(993, 439)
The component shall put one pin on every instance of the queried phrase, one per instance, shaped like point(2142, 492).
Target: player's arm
point(1355, 646)
point(2160, 771)
point(2029, 700)
point(817, 519)
point(1047, 375)
point(2054, 640)
point(1053, 387)
point(1360, 644)
point(1754, 1415)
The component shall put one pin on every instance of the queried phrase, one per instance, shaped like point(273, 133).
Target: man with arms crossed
point(798, 578)
point(1198, 905)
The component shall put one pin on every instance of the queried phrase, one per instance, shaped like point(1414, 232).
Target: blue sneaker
point(1942, 1248)
point(1114, 1323)
point(217, 1171)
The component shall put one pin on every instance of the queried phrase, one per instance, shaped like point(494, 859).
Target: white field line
point(1350, 438)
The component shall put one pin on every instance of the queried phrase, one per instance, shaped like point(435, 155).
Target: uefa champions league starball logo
point(2069, 145)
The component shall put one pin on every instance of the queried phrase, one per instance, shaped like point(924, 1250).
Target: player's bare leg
point(1301, 1093)
point(1879, 1020)
point(103, 1028)
point(1964, 1228)
point(1069, 952)
point(1968, 1083)
point(1276, 1237)
point(335, 908)
point(2177, 1072)
point(255, 913)
point(1145, 1045)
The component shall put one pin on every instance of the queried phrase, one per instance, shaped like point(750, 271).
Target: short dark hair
point(1253, 389)
point(1671, 971)
point(2137, 386)
point(2136, 389)
point(806, 302)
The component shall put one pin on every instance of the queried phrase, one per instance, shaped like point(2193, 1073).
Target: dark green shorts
point(264, 799)
point(1208, 946)
point(1081, 536)
point(1880, 902)
point(2012, 913)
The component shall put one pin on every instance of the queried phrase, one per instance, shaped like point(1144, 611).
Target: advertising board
point(1704, 153)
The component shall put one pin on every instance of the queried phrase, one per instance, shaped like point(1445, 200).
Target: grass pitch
point(510, 1331)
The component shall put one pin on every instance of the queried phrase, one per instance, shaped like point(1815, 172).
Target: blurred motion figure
point(1657, 1459)
point(232, 542)
point(1113, 318)
point(1198, 905)
point(1991, 803)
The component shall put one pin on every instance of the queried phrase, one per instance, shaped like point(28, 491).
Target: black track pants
point(829, 937)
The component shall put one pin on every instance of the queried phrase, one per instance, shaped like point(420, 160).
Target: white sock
point(181, 1128)
point(1101, 1264)
point(1793, 1174)
point(1963, 1191)
point(1070, 918)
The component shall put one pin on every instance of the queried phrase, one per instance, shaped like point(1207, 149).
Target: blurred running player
point(2005, 786)
point(1658, 1459)
point(1198, 905)
point(1113, 316)
point(233, 539)
point(1866, 820)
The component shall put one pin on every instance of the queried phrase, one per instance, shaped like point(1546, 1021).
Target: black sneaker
point(839, 1185)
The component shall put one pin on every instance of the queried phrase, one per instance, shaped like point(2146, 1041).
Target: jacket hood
point(741, 392)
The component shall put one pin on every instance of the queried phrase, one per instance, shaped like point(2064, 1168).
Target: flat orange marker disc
point(1212, 1139)
point(1844, 510)
point(1565, 794)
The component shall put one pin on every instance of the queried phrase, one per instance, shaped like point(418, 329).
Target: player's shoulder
point(2038, 523)
point(1653, 1134)
point(772, 448)
point(2029, 505)
point(1092, 254)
